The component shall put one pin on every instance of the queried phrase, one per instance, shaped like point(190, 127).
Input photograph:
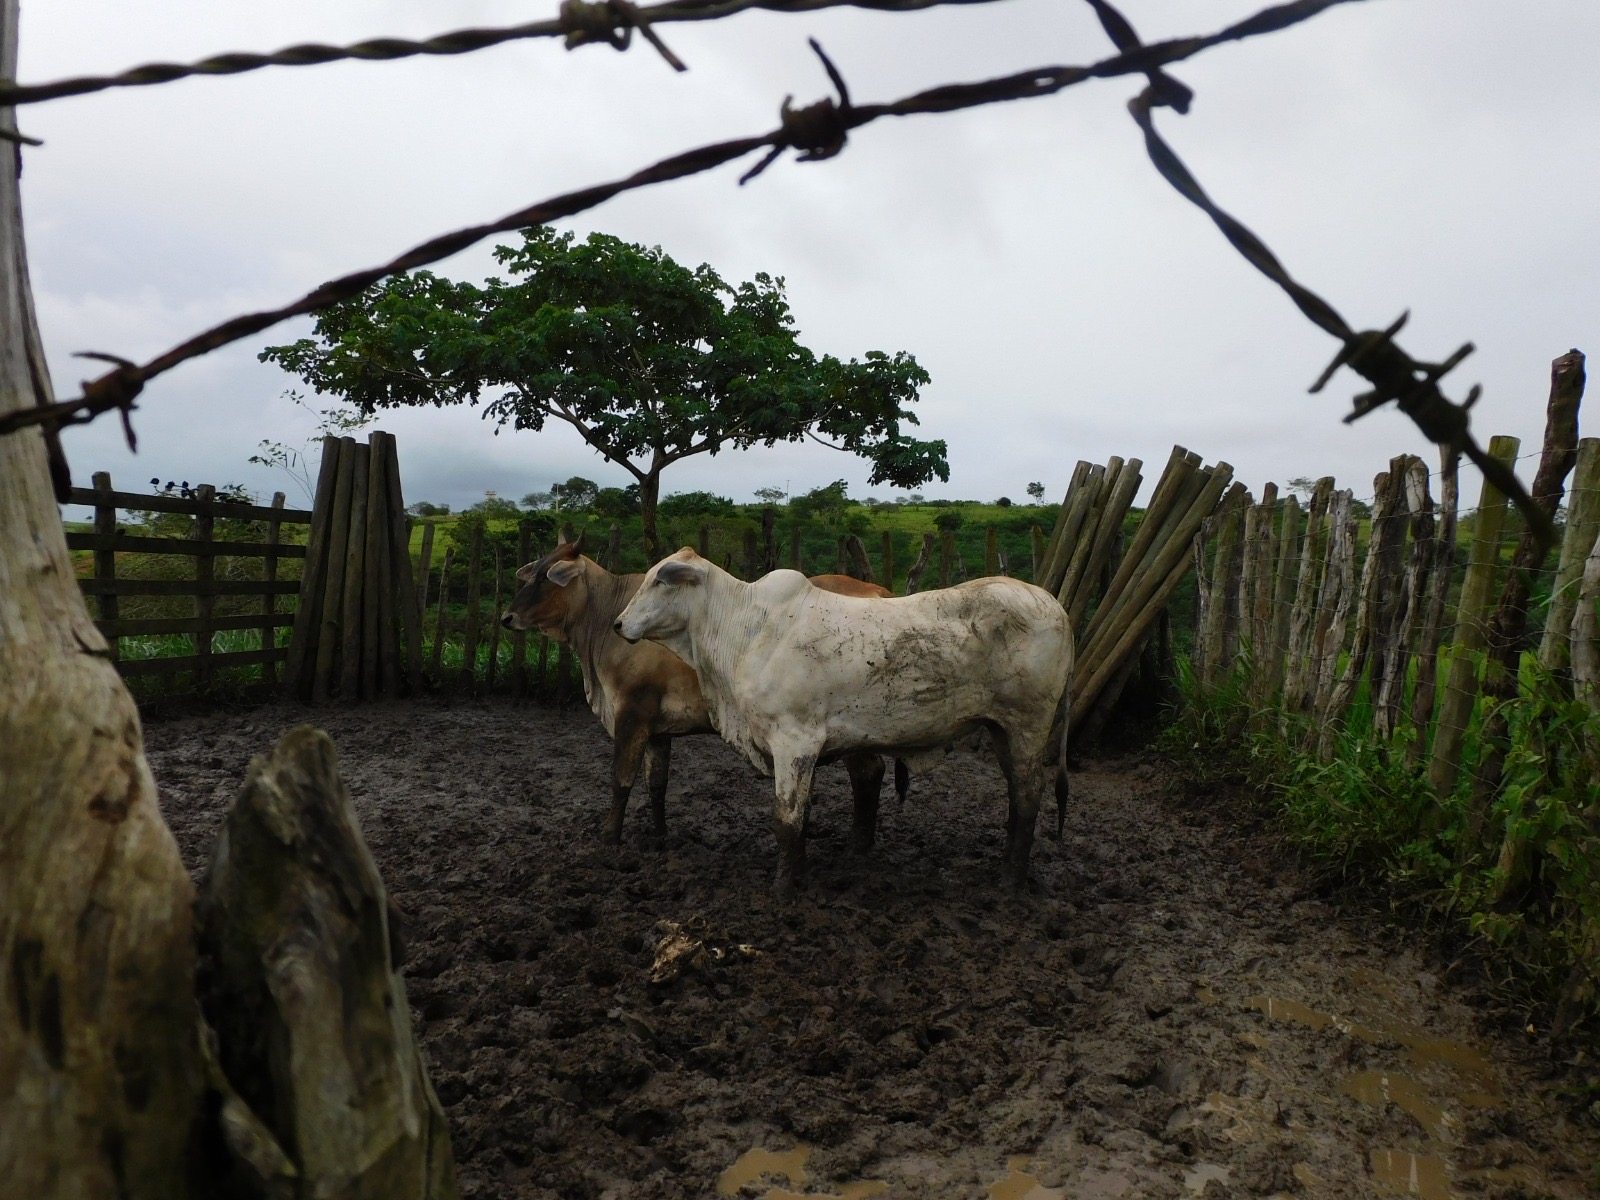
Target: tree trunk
point(306, 996)
point(649, 495)
point(101, 1070)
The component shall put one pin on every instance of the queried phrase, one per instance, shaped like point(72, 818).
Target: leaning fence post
point(1472, 633)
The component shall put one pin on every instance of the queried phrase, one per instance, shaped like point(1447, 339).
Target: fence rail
point(192, 548)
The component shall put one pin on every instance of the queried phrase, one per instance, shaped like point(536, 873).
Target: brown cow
point(644, 694)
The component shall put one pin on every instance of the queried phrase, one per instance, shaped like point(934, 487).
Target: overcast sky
point(1436, 155)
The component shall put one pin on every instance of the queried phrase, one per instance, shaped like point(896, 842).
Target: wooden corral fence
point(1311, 609)
point(357, 629)
point(250, 544)
point(372, 618)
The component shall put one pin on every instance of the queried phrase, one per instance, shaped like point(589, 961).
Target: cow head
point(659, 610)
point(552, 590)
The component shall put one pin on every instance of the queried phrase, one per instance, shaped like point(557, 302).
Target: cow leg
point(866, 781)
point(657, 765)
point(1024, 781)
point(902, 780)
point(791, 775)
point(626, 752)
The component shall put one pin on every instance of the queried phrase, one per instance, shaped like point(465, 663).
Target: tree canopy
point(649, 361)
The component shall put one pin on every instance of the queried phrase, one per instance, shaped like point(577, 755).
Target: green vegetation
point(1524, 889)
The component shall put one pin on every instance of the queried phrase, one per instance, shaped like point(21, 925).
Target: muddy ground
point(1176, 1010)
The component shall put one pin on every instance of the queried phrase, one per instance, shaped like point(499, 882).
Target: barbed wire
point(815, 132)
point(580, 22)
point(1412, 384)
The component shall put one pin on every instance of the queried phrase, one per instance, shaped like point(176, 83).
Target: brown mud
point(1174, 1010)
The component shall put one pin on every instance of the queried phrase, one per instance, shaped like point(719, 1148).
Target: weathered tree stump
point(300, 981)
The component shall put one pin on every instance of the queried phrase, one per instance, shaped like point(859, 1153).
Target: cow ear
point(525, 574)
point(674, 572)
point(564, 572)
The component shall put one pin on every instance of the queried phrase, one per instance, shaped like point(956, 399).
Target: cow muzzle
point(616, 627)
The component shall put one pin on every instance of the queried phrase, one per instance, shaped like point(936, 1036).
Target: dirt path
point(1174, 1013)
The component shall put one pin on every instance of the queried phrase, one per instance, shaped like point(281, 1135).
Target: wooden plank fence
point(181, 571)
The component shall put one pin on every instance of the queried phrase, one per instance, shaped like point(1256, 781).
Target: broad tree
point(649, 361)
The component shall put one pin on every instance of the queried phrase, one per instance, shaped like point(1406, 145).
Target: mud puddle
point(1173, 1013)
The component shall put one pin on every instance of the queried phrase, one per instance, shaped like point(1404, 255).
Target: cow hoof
point(784, 889)
point(613, 837)
point(654, 841)
point(861, 843)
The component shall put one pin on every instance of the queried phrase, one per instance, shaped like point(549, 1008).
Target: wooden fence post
point(441, 618)
point(305, 635)
point(1036, 543)
point(703, 547)
point(919, 568)
point(105, 561)
point(769, 540)
point(1510, 620)
point(375, 638)
point(205, 574)
point(1389, 698)
point(404, 622)
point(753, 557)
point(1303, 615)
point(1212, 657)
point(1338, 593)
point(1583, 526)
point(1424, 695)
point(351, 648)
point(1285, 571)
point(331, 636)
point(269, 602)
point(519, 637)
point(494, 626)
point(467, 681)
point(424, 567)
point(1336, 702)
point(1472, 632)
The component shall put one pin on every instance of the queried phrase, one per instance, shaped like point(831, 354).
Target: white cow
point(794, 676)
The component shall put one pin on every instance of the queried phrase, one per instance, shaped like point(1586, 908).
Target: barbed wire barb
point(1373, 354)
